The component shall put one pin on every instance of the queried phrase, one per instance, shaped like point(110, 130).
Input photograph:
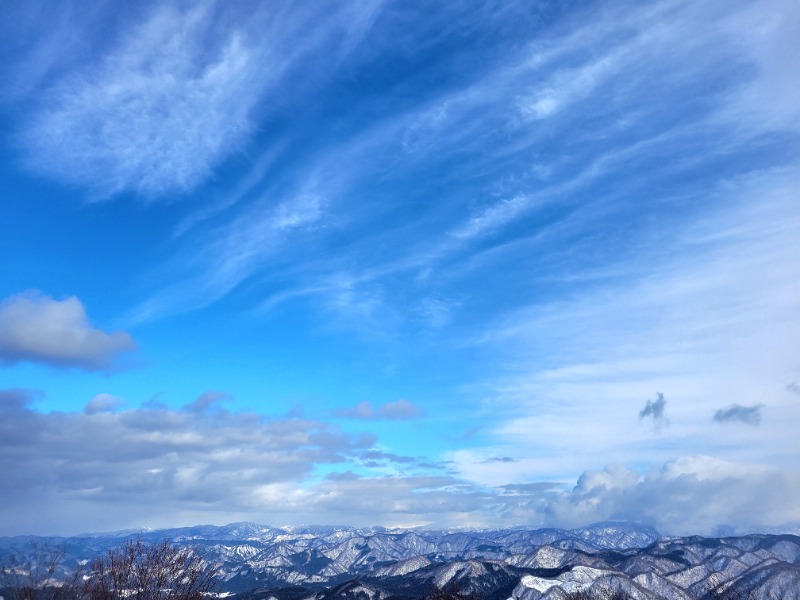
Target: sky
point(378, 262)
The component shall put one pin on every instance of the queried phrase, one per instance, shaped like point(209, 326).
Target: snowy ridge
point(328, 563)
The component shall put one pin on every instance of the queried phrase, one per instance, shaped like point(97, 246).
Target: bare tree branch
point(157, 571)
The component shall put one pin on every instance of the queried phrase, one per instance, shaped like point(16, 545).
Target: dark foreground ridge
point(606, 560)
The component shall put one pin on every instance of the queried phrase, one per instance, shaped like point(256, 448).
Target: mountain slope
point(327, 563)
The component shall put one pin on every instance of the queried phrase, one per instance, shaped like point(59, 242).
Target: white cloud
point(770, 39)
point(244, 245)
point(493, 218)
point(689, 495)
point(102, 403)
point(37, 328)
point(173, 95)
point(158, 112)
point(612, 58)
point(715, 318)
point(237, 251)
point(570, 85)
point(151, 461)
point(164, 467)
point(393, 411)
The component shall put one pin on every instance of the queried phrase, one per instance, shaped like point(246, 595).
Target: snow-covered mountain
point(339, 563)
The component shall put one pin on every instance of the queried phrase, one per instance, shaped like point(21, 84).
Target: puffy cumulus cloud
point(102, 403)
point(104, 468)
point(749, 415)
point(157, 466)
point(37, 328)
point(394, 411)
point(15, 402)
point(689, 495)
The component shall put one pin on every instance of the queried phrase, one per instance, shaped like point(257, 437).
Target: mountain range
point(341, 563)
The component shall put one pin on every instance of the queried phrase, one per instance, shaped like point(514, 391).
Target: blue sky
point(485, 264)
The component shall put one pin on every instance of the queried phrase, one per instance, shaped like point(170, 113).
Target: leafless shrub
point(157, 571)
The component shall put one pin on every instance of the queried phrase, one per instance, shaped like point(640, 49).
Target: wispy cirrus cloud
point(174, 96)
point(40, 329)
point(158, 113)
point(235, 253)
point(686, 324)
point(536, 183)
point(628, 199)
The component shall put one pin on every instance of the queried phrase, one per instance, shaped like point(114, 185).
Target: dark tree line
point(134, 571)
point(449, 592)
